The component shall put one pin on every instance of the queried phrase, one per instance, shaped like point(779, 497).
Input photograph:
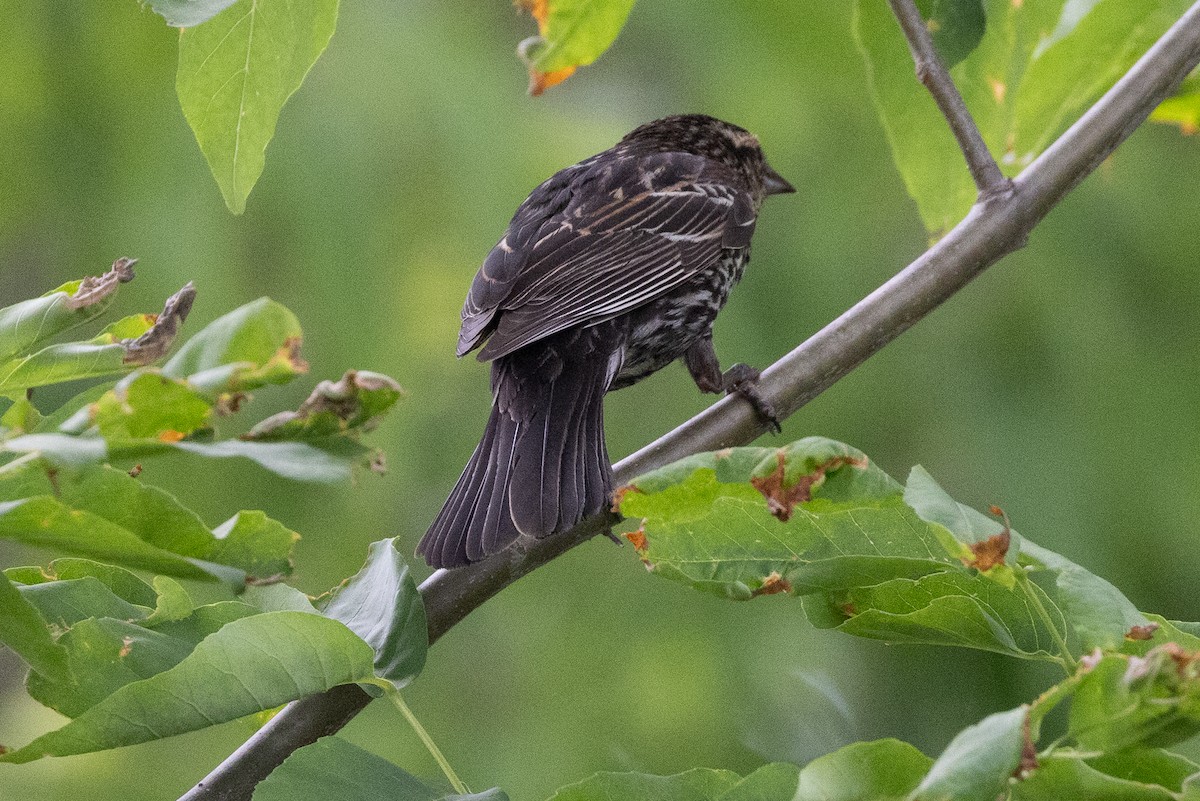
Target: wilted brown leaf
point(94, 289)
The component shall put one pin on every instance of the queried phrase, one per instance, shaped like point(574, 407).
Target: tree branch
point(932, 73)
point(996, 226)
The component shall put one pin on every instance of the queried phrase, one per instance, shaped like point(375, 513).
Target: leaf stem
point(1065, 659)
point(430, 745)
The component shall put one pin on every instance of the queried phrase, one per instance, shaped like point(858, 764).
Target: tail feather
point(492, 528)
point(541, 465)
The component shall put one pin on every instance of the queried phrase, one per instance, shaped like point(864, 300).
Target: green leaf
point(124, 584)
point(250, 541)
point(1100, 613)
point(55, 364)
point(1126, 701)
point(278, 597)
point(186, 13)
point(775, 782)
point(1071, 69)
point(358, 401)
point(251, 664)
point(333, 768)
point(381, 605)
point(956, 26)
point(45, 522)
point(977, 763)
point(30, 322)
point(251, 346)
point(934, 504)
point(255, 543)
point(121, 347)
point(173, 603)
point(329, 461)
point(65, 602)
point(1147, 766)
point(870, 771)
point(1037, 65)
point(1182, 110)
point(952, 609)
point(20, 418)
point(705, 524)
point(1062, 777)
point(1186, 635)
point(923, 147)
point(106, 654)
point(571, 34)
point(699, 784)
point(149, 405)
point(23, 629)
point(235, 74)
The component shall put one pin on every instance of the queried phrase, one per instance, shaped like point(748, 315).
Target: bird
point(610, 270)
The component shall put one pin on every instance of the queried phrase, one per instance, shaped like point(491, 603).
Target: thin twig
point(989, 232)
point(932, 72)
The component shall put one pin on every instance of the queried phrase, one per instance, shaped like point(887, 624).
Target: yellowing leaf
point(571, 34)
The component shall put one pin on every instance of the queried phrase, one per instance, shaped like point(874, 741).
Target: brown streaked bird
point(610, 270)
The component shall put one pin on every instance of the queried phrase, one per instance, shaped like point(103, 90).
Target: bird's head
point(715, 139)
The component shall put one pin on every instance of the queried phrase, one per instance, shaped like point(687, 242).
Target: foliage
point(1035, 67)
point(129, 660)
point(129, 657)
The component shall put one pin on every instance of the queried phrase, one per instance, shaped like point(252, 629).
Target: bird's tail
point(542, 464)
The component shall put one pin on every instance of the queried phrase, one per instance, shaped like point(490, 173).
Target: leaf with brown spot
point(126, 647)
point(637, 539)
point(772, 585)
point(782, 500)
point(1145, 632)
point(1029, 760)
point(619, 494)
point(357, 401)
point(571, 34)
point(991, 552)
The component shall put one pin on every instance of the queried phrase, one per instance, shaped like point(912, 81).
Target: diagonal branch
point(932, 72)
point(988, 233)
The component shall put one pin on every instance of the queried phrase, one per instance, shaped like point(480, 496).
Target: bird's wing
point(599, 239)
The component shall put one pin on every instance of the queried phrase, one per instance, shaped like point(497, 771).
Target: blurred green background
point(1062, 385)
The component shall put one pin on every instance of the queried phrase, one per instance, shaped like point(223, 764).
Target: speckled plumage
point(609, 271)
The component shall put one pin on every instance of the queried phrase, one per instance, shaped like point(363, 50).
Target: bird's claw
point(742, 379)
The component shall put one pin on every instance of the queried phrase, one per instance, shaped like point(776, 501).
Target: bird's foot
point(743, 380)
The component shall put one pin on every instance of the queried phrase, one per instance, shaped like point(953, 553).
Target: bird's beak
point(776, 184)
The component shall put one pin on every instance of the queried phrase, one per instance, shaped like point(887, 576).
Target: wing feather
point(599, 239)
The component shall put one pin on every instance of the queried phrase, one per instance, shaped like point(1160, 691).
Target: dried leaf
point(94, 289)
point(154, 344)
